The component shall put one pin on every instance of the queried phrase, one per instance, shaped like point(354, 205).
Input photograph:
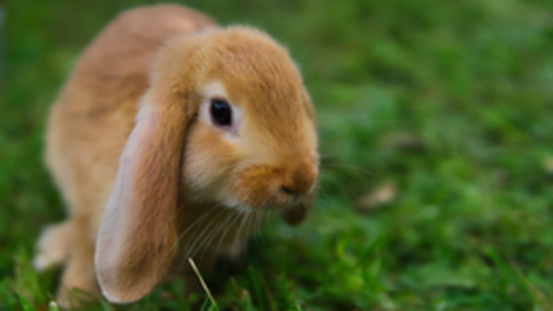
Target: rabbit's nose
point(299, 179)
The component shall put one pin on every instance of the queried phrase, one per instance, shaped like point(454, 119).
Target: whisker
point(317, 211)
point(251, 230)
point(238, 214)
point(371, 123)
point(198, 238)
point(240, 228)
point(352, 187)
point(259, 231)
point(255, 232)
point(190, 251)
point(325, 57)
point(184, 233)
point(332, 205)
point(223, 225)
point(354, 168)
point(353, 149)
point(322, 32)
point(212, 236)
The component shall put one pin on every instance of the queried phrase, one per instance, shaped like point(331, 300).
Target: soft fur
point(142, 167)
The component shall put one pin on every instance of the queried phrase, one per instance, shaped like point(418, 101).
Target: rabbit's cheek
point(207, 159)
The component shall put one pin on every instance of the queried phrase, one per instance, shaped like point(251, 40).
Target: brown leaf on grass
point(548, 165)
point(404, 141)
point(382, 195)
point(500, 177)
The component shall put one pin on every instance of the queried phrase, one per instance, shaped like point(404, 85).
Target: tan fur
point(132, 148)
point(53, 246)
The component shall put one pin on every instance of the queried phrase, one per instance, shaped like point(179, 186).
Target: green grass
point(451, 101)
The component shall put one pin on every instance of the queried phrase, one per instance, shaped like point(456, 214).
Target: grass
point(448, 101)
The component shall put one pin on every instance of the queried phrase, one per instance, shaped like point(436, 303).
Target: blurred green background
point(436, 131)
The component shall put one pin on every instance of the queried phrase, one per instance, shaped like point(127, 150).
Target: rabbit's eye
point(221, 112)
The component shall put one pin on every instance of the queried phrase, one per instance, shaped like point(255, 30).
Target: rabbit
point(173, 137)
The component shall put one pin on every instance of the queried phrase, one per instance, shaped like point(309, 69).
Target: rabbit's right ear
point(137, 235)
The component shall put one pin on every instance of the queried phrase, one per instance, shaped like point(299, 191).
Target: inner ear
point(137, 235)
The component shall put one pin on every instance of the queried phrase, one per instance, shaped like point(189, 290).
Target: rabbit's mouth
point(246, 208)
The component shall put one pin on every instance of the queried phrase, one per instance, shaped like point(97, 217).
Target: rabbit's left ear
point(137, 235)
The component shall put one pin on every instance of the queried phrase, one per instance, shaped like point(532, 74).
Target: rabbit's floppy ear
point(137, 235)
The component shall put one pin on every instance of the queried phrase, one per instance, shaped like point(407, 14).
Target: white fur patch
point(53, 246)
point(216, 90)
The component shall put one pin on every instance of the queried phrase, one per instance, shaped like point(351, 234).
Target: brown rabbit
point(171, 125)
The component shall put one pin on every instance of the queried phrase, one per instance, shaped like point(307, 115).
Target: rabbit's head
point(226, 120)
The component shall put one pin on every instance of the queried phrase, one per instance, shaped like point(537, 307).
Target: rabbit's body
point(129, 196)
point(100, 100)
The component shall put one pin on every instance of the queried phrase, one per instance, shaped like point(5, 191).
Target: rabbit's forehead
point(252, 96)
point(254, 70)
point(214, 89)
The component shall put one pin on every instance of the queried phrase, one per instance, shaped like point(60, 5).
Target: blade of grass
point(25, 304)
point(204, 285)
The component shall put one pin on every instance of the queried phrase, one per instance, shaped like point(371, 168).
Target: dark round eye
point(221, 112)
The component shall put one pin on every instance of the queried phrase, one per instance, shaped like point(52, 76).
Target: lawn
point(436, 131)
